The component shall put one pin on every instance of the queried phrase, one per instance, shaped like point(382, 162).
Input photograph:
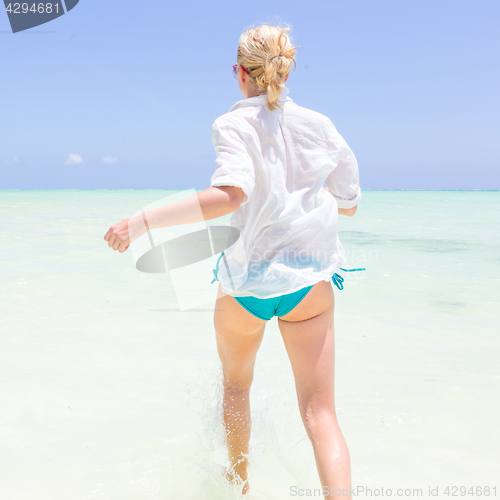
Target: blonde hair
point(267, 53)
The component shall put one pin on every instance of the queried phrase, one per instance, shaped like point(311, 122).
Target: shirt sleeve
point(343, 182)
point(234, 163)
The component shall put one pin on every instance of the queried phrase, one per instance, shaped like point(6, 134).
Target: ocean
point(109, 390)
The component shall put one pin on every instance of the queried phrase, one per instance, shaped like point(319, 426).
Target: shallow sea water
point(108, 390)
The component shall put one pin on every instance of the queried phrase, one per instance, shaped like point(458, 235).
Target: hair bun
point(255, 52)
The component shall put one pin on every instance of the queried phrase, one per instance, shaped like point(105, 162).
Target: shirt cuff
point(348, 203)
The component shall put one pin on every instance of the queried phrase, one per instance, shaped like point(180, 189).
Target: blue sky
point(122, 95)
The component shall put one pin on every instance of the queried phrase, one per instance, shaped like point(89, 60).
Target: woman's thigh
point(239, 335)
point(308, 335)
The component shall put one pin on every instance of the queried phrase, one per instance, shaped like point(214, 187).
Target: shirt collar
point(257, 100)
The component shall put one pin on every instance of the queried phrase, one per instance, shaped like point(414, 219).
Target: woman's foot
point(236, 479)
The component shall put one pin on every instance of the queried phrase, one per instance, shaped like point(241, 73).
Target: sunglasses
point(235, 70)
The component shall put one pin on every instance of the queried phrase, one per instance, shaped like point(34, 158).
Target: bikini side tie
point(216, 270)
point(338, 280)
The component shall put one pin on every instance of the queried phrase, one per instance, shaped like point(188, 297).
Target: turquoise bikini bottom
point(278, 306)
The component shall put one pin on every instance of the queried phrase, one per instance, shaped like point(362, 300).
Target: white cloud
point(110, 159)
point(74, 159)
point(3, 159)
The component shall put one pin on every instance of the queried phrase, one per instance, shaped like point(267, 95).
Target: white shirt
point(287, 222)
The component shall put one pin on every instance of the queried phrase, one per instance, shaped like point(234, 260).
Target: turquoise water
point(107, 390)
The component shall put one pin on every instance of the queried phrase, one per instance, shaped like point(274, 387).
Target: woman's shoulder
point(308, 113)
point(310, 123)
point(234, 123)
point(229, 118)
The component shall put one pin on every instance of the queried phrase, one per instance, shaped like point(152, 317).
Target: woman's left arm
point(214, 202)
point(344, 211)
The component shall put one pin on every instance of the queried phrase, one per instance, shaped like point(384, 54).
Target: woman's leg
point(308, 335)
point(239, 335)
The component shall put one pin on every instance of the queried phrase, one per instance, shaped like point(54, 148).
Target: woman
point(273, 157)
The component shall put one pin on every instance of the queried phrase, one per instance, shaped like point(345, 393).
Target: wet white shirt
point(287, 222)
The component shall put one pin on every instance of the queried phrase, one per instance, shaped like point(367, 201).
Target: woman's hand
point(122, 234)
point(348, 211)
